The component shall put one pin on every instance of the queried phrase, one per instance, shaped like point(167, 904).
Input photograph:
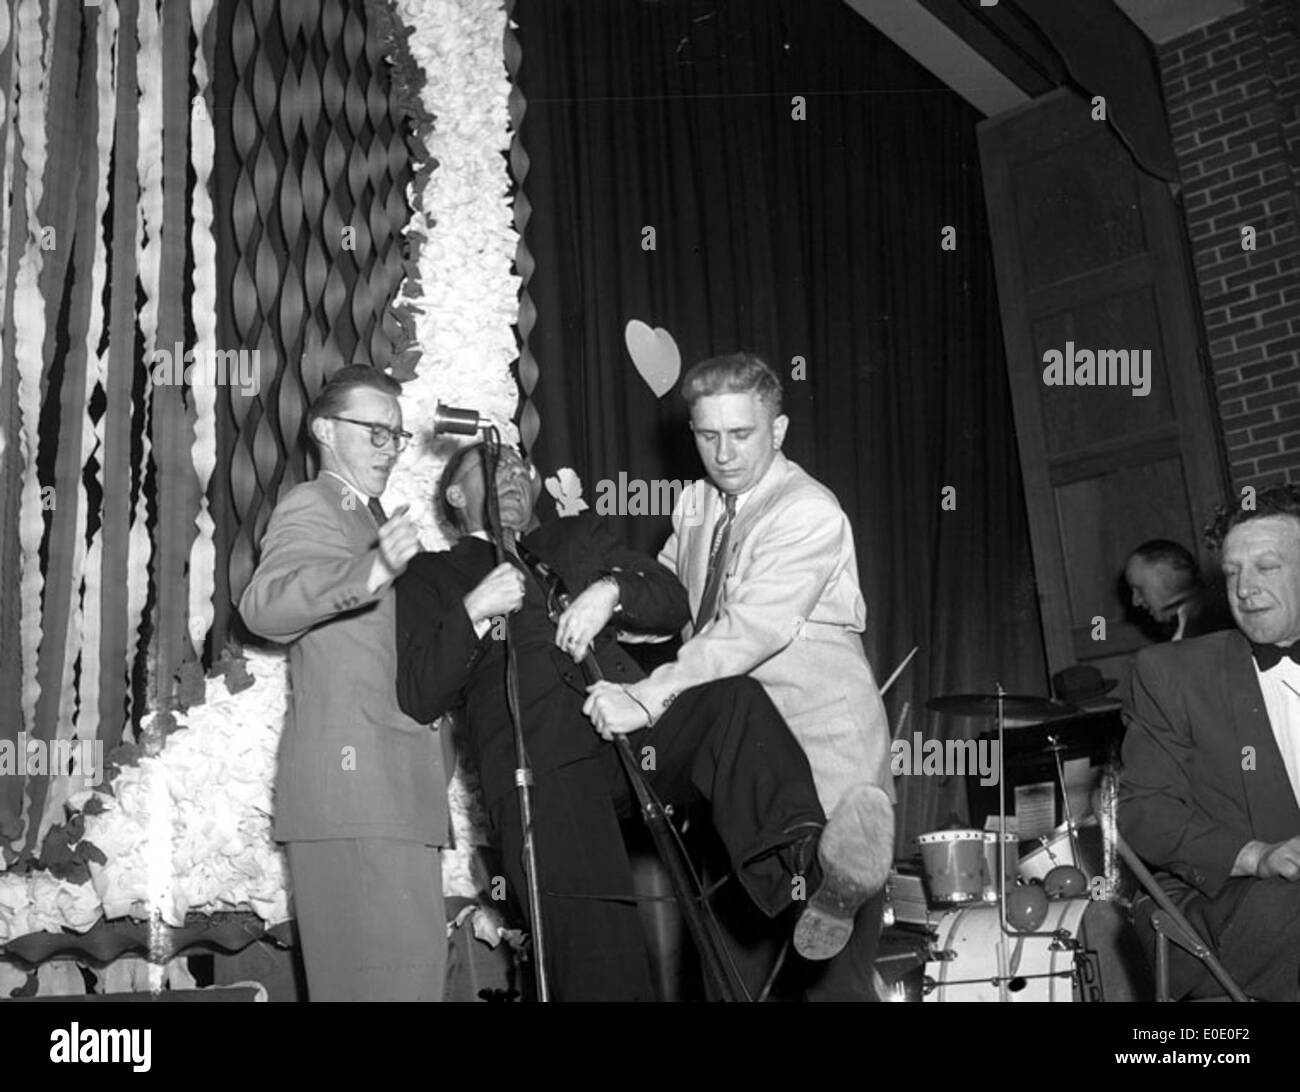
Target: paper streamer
point(6, 184)
point(203, 246)
point(149, 225)
point(71, 721)
point(29, 341)
point(88, 720)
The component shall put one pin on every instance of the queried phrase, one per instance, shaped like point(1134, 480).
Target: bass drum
point(964, 962)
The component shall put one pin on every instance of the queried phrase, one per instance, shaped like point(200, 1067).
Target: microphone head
point(456, 421)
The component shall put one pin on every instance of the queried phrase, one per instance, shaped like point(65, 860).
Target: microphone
point(457, 421)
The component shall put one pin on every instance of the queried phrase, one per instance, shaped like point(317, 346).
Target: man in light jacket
point(767, 558)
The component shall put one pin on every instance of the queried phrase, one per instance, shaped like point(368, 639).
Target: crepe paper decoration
point(654, 354)
point(203, 247)
point(71, 201)
point(148, 242)
point(566, 488)
point(530, 421)
point(29, 343)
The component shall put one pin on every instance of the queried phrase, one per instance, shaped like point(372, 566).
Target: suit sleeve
point(1158, 814)
point(437, 648)
point(649, 594)
point(307, 574)
point(790, 566)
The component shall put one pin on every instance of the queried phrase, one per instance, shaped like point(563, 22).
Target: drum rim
point(936, 836)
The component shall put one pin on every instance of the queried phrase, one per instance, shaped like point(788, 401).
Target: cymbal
point(986, 705)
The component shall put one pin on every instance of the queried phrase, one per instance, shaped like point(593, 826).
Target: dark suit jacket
point(443, 666)
point(351, 763)
point(1191, 795)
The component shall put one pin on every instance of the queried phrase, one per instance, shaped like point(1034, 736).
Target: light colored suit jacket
point(351, 763)
point(790, 613)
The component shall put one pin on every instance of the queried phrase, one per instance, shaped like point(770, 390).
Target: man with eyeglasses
point(360, 793)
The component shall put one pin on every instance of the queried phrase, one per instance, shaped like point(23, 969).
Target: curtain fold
point(798, 171)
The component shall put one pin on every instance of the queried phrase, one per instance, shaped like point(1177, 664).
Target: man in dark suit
point(360, 795)
point(1210, 793)
point(723, 741)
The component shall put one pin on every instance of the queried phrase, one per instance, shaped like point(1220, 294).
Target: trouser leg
point(370, 919)
point(594, 938)
point(726, 743)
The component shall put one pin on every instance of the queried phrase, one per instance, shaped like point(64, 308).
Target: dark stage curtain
point(816, 238)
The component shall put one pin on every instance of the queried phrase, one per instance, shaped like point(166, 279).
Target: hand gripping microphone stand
point(447, 419)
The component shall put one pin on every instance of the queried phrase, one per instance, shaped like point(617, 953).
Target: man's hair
point(735, 373)
point(334, 396)
point(1161, 551)
point(1280, 500)
point(448, 512)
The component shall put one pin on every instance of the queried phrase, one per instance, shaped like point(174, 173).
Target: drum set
point(1002, 920)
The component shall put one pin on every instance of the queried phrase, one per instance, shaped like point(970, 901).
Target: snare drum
point(964, 964)
point(1057, 849)
point(954, 866)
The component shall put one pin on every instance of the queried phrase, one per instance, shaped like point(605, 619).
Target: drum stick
point(898, 671)
point(902, 720)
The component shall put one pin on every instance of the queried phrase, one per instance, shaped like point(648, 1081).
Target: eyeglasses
point(380, 435)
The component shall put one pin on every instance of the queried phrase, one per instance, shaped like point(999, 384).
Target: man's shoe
point(855, 852)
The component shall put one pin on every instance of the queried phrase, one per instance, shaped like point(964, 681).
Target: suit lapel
point(1266, 787)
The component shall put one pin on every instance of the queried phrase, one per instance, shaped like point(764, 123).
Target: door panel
point(1091, 251)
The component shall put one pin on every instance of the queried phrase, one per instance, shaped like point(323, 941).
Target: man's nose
point(726, 451)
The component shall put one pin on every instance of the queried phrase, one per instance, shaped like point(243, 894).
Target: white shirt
point(1281, 687)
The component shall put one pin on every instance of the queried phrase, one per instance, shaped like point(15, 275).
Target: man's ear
point(456, 497)
point(321, 432)
point(779, 424)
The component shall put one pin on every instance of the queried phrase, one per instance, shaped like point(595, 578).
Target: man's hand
point(500, 592)
point(587, 615)
point(1281, 859)
point(398, 543)
point(613, 710)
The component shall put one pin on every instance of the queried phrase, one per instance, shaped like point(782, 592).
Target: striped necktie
point(717, 564)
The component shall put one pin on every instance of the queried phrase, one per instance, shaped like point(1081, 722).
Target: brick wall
point(1232, 91)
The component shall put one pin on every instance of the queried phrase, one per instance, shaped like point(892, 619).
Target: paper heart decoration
point(655, 354)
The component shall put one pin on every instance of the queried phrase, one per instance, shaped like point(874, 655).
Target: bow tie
point(1268, 656)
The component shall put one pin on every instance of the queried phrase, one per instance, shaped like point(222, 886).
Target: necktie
point(1271, 655)
point(377, 510)
point(717, 564)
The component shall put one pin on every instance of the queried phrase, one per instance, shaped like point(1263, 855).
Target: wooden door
point(1090, 251)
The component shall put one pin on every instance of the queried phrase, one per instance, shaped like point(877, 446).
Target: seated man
point(1165, 584)
point(723, 742)
point(1210, 793)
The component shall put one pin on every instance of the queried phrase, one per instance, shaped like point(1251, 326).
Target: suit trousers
point(723, 743)
point(1253, 927)
point(370, 918)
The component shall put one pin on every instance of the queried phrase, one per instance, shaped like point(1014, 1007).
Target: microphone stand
point(523, 773)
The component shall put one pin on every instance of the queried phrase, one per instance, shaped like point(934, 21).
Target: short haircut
point(1161, 551)
point(333, 397)
point(735, 373)
point(1279, 500)
point(448, 512)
